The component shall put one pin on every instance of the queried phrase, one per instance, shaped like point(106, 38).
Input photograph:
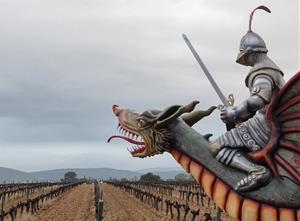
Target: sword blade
point(206, 72)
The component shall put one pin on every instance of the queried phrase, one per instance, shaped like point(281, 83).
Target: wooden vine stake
point(2, 207)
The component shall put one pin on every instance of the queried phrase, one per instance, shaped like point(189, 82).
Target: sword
point(206, 72)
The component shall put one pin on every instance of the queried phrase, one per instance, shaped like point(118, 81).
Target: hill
point(11, 175)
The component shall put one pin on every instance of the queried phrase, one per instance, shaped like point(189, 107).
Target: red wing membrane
point(282, 152)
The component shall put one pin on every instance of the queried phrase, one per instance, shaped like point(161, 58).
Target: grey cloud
point(64, 63)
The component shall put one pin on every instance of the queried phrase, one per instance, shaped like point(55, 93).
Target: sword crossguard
point(231, 101)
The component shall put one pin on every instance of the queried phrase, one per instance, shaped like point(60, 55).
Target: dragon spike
point(265, 8)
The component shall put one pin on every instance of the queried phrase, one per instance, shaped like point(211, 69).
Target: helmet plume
point(265, 8)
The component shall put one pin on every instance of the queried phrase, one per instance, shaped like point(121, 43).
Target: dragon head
point(149, 131)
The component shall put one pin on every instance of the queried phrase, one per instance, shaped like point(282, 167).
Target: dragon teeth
point(129, 134)
point(131, 150)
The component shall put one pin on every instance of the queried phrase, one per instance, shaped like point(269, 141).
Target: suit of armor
point(252, 130)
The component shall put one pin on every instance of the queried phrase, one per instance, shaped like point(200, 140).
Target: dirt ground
point(78, 205)
point(74, 205)
point(121, 206)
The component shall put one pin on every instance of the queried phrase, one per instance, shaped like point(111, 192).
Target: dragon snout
point(116, 110)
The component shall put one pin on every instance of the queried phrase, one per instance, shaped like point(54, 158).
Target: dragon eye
point(141, 123)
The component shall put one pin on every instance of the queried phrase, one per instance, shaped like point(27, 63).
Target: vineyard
point(179, 201)
point(107, 201)
point(43, 201)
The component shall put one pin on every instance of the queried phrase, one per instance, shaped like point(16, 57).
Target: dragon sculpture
point(157, 131)
point(154, 132)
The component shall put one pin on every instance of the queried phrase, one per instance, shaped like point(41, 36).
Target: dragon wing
point(282, 152)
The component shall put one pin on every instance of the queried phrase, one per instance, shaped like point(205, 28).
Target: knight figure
point(252, 130)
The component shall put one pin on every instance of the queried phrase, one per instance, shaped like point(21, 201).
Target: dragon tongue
point(127, 139)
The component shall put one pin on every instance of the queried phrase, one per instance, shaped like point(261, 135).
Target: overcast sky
point(63, 63)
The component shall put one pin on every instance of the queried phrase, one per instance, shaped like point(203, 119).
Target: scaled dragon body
point(154, 132)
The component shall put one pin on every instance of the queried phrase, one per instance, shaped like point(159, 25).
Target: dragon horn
point(265, 8)
point(195, 116)
point(173, 113)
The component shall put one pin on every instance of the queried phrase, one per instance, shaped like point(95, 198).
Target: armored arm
point(261, 94)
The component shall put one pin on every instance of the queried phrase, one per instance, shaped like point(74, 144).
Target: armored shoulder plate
point(265, 67)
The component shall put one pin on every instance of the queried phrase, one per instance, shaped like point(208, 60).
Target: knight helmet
point(251, 41)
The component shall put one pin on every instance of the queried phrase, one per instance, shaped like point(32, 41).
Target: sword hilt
point(231, 101)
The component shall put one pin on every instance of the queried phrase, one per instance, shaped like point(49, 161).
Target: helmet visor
point(241, 58)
